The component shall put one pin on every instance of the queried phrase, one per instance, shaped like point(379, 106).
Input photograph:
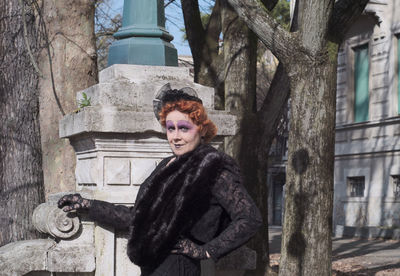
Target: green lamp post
point(143, 38)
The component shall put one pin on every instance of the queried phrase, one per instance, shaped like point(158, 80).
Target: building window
point(356, 186)
point(361, 87)
point(396, 185)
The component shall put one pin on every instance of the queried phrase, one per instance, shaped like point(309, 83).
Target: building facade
point(367, 151)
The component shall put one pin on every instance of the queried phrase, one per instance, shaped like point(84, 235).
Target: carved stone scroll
point(51, 220)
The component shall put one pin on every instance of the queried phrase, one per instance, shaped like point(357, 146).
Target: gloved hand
point(190, 249)
point(74, 202)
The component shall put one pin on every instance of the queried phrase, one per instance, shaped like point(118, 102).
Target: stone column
point(118, 142)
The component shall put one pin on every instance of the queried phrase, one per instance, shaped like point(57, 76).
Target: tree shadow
point(361, 247)
point(368, 271)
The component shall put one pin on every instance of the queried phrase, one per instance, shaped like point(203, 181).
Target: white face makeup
point(182, 134)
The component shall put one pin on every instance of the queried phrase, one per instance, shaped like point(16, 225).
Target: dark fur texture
point(173, 200)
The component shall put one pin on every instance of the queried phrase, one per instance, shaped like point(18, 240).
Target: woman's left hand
point(74, 202)
point(190, 249)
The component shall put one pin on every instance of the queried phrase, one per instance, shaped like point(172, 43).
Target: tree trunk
point(70, 32)
point(204, 45)
point(306, 239)
point(240, 60)
point(240, 53)
point(306, 244)
point(257, 129)
point(21, 176)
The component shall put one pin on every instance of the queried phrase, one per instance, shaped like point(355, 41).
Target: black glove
point(190, 249)
point(74, 202)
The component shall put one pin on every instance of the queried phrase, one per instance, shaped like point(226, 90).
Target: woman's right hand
point(74, 202)
point(190, 249)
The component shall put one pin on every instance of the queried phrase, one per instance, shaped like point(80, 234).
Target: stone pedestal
point(118, 142)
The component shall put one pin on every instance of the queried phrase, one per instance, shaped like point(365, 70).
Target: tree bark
point(195, 32)
point(204, 45)
point(280, 42)
point(240, 60)
point(344, 14)
point(203, 41)
point(306, 240)
point(257, 129)
point(72, 67)
point(21, 176)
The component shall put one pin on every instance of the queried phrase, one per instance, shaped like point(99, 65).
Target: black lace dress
point(231, 220)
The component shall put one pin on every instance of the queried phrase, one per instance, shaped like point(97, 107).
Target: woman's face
point(183, 135)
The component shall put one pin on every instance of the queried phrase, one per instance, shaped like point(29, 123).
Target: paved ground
point(353, 256)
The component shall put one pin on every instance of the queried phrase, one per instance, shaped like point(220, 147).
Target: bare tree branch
point(48, 44)
point(281, 43)
point(194, 27)
point(213, 31)
point(167, 4)
point(106, 33)
point(345, 12)
point(274, 102)
point(203, 42)
point(28, 48)
point(213, 28)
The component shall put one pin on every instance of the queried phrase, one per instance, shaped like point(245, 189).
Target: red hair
point(196, 113)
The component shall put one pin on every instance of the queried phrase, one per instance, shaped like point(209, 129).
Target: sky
point(174, 22)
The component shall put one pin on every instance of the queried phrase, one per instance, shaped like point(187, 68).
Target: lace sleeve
point(245, 216)
point(119, 217)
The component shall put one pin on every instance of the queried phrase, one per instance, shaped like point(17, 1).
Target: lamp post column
point(143, 39)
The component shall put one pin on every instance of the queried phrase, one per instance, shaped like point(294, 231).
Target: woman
point(192, 206)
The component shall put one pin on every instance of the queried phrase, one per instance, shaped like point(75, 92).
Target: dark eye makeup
point(183, 126)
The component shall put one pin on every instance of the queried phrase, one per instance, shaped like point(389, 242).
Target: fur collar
point(173, 199)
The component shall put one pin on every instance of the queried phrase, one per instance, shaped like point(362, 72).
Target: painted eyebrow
point(180, 123)
point(185, 123)
point(169, 124)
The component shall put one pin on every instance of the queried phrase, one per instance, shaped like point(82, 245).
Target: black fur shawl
point(173, 199)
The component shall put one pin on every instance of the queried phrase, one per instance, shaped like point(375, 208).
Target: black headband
point(168, 95)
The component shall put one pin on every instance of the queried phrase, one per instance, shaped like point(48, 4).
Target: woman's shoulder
point(211, 154)
point(229, 163)
point(208, 149)
point(227, 166)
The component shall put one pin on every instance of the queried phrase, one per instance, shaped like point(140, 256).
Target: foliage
point(281, 13)
point(332, 51)
point(85, 101)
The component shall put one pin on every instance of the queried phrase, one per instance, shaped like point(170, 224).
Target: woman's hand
point(73, 202)
point(190, 249)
